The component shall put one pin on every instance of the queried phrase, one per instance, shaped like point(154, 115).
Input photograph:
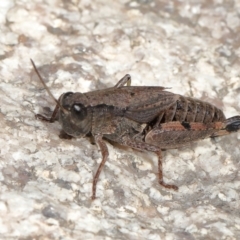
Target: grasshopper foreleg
point(52, 119)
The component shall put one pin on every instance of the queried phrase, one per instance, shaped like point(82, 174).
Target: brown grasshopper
point(140, 117)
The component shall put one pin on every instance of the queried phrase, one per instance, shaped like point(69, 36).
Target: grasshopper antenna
point(53, 117)
point(43, 83)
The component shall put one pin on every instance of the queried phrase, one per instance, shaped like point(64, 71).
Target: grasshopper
point(141, 117)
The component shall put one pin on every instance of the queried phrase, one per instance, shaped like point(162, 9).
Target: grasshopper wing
point(141, 104)
point(149, 104)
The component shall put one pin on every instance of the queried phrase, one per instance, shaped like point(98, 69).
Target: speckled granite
point(45, 182)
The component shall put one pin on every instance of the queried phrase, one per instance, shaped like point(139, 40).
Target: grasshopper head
point(74, 116)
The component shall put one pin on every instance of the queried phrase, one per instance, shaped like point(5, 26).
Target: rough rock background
point(45, 182)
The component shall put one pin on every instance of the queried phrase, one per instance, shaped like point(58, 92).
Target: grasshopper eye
point(79, 111)
point(77, 108)
point(67, 94)
point(65, 100)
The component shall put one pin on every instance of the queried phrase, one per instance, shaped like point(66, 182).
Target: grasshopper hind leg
point(160, 173)
point(125, 80)
point(148, 147)
point(230, 125)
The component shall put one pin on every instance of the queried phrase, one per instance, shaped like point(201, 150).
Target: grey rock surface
point(191, 47)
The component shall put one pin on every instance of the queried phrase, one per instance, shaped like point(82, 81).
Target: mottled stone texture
point(191, 47)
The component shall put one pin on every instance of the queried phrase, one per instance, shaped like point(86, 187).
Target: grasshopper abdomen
point(187, 109)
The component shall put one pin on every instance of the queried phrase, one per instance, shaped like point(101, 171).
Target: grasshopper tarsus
point(64, 135)
point(52, 119)
point(43, 118)
point(169, 186)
